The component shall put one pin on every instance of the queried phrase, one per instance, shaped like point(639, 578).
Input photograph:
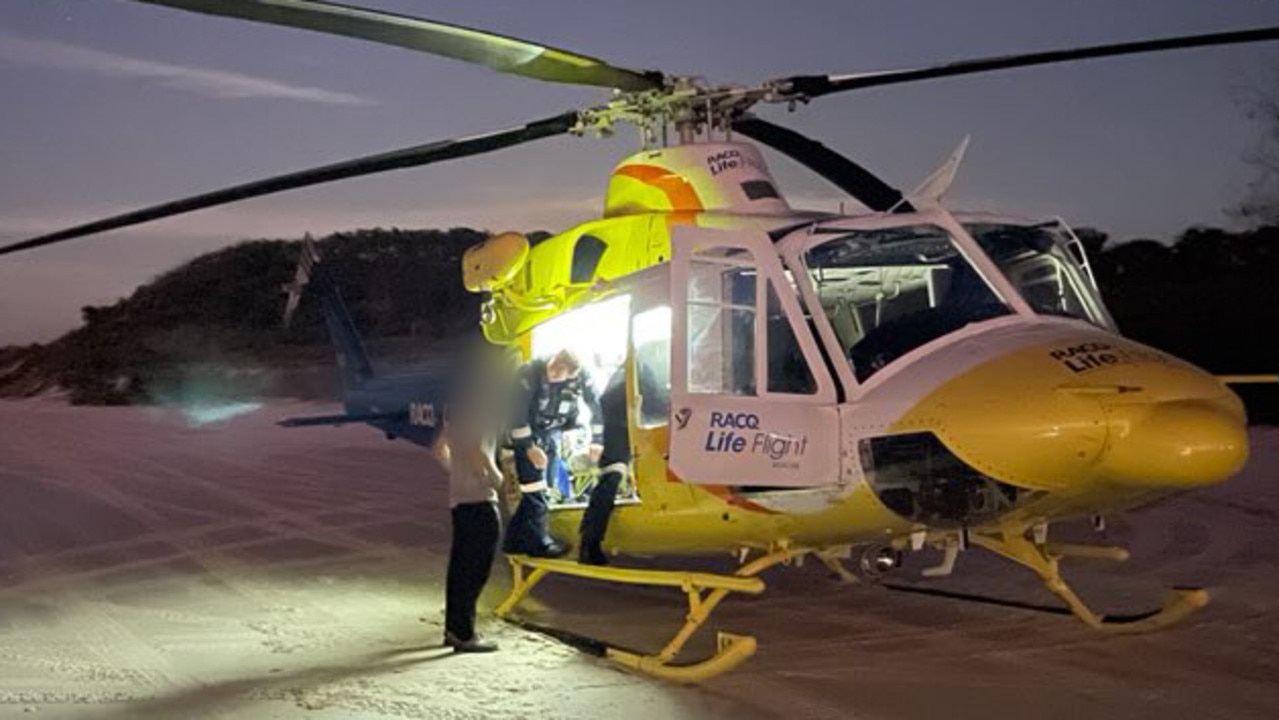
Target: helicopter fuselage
point(837, 380)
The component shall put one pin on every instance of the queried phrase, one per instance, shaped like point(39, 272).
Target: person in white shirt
point(467, 447)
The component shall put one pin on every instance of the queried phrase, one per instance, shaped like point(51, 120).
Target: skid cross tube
point(705, 591)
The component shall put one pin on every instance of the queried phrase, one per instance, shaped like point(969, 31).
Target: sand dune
point(150, 569)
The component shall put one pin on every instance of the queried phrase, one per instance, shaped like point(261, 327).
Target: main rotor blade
point(847, 175)
point(504, 54)
point(415, 156)
point(817, 85)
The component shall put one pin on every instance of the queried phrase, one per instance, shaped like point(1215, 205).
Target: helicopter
point(842, 387)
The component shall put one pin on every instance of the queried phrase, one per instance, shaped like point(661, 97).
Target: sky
point(109, 105)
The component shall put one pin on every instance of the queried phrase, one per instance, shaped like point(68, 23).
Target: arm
point(491, 470)
point(526, 383)
point(486, 460)
point(593, 405)
point(521, 429)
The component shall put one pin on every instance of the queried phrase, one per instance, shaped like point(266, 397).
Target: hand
point(596, 451)
point(537, 456)
point(443, 453)
point(492, 471)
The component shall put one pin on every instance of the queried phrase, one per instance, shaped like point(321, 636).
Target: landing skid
point(704, 590)
point(1013, 541)
point(1182, 602)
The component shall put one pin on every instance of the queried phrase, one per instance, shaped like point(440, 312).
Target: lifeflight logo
point(730, 160)
point(740, 433)
point(1093, 355)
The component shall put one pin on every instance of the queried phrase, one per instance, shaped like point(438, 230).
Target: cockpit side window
point(1036, 262)
point(889, 291)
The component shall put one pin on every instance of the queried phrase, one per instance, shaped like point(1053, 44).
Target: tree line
point(1210, 297)
point(224, 310)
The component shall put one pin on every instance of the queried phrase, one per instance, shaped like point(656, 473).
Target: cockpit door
point(752, 403)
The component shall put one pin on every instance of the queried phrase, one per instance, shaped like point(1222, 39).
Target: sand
point(152, 569)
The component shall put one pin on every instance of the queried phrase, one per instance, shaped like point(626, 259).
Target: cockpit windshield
point(1037, 261)
point(889, 291)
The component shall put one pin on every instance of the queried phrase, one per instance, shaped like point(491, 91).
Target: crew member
point(466, 446)
point(615, 456)
point(548, 395)
point(614, 465)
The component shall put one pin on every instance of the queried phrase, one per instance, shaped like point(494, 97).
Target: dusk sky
point(108, 105)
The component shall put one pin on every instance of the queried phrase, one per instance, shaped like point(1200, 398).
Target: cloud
point(201, 81)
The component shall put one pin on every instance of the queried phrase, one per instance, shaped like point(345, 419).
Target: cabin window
point(740, 339)
point(788, 371)
point(587, 252)
point(721, 323)
point(651, 340)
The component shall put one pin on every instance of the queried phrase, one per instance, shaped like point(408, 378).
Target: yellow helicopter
point(846, 387)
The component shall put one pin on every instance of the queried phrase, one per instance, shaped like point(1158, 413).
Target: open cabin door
point(752, 403)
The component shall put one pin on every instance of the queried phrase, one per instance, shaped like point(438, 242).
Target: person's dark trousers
point(614, 464)
point(527, 533)
point(475, 531)
point(525, 470)
point(595, 519)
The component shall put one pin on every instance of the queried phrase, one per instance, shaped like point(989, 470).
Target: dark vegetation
point(1212, 297)
point(212, 326)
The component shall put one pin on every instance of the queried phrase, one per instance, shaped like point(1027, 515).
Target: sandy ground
point(149, 569)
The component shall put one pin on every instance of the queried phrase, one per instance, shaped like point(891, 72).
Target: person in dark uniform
point(614, 465)
point(615, 457)
point(548, 395)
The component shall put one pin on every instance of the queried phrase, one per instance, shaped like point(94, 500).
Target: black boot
point(475, 644)
point(591, 554)
point(595, 519)
point(527, 533)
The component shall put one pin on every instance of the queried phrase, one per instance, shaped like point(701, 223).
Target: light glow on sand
point(201, 414)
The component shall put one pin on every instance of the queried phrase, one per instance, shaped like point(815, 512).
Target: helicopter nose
point(1175, 444)
point(1141, 421)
